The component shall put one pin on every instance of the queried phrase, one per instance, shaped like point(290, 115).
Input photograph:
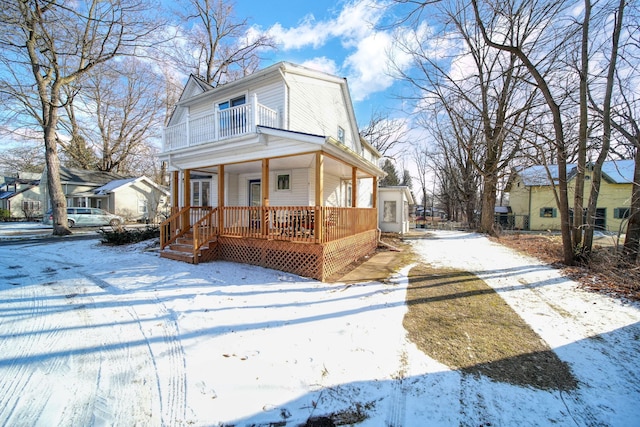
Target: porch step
point(181, 247)
point(177, 256)
point(182, 250)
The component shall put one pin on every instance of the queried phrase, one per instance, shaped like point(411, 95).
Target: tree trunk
point(632, 240)
point(487, 216)
point(578, 198)
point(606, 132)
point(54, 185)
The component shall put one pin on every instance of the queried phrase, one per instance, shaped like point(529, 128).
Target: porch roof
point(287, 149)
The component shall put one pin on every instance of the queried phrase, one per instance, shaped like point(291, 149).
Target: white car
point(86, 217)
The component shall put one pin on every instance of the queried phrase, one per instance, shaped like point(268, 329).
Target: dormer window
point(340, 134)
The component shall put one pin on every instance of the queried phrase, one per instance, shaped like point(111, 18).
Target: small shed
point(393, 208)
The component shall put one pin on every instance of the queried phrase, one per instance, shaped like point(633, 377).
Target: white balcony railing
point(218, 125)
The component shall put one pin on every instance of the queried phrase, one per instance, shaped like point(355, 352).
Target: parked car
point(86, 217)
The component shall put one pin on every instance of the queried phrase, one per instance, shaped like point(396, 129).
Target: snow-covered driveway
point(91, 335)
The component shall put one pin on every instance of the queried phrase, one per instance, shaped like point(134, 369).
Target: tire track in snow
point(25, 307)
point(122, 361)
point(169, 361)
point(398, 399)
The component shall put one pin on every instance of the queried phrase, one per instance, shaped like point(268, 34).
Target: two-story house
point(532, 200)
point(270, 170)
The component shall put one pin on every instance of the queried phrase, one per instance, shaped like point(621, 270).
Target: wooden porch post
point(220, 199)
point(375, 192)
point(374, 202)
point(187, 187)
point(175, 191)
point(319, 220)
point(264, 226)
point(354, 195)
point(354, 187)
point(186, 221)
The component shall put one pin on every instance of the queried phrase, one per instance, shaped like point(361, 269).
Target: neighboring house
point(135, 199)
point(394, 211)
point(270, 170)
point(20, 196)
point(132, 198)
point(534, 206)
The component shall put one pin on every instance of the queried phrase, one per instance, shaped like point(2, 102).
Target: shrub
point(4, 215)
point(123, 236)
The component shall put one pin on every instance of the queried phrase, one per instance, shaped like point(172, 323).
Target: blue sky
point(337, 36)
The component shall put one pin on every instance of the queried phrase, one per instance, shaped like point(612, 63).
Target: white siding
point(214, 190)
point(332, 191)
point(206, 106)
point(365, 191)
point(318, 107)
point(235, 192)
point(273, 96)
point(299, 193)
point(270, 94)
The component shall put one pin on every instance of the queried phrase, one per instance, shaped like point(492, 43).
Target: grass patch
point(460, 321)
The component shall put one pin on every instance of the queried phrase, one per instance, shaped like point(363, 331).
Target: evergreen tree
point(392, 175)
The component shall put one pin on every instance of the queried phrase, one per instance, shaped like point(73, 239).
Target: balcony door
point(232, 120)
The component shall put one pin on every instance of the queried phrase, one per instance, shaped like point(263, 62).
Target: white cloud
point(322, 63)
point(368, 68)
point(365, 48)
point(307, 33)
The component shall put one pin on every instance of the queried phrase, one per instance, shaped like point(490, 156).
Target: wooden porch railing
point(311, 224)
point(180, 223)
point(305, 224)
point(205, 229)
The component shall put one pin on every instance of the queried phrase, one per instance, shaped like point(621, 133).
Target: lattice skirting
point(308, 260)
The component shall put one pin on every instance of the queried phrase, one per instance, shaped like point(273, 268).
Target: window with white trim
point(283, 181)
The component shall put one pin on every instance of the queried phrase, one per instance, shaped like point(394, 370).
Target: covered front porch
point(304, 214)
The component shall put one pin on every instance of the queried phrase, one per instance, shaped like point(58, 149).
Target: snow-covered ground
point(93, 335)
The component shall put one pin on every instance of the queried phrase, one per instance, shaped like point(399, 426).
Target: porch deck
point(309, 241)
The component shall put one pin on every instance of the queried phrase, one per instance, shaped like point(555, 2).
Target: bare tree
point(76, 153)
point(218, 47)
point(454, 164)
point(124, 103)
point(606, 124)
point(625, 119)
point(26, 157)
point(475, 84)
point(536, 17)
point(387, 135)
point(50, 45)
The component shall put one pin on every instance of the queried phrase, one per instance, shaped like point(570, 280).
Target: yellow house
point(533, 203)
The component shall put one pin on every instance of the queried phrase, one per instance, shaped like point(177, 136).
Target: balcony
point(218, 125)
